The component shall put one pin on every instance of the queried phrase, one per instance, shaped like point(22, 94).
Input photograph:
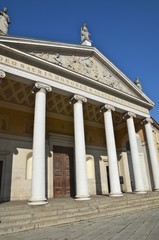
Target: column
point(38, 195)
point(152, 152)
point(115, 189)
point(139, 184)
point(80, 152)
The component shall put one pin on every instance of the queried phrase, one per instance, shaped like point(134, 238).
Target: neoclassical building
point(71, 124)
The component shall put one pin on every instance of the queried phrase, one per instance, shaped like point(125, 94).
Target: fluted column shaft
point(152, 152)
point(115, 189)
point(38, 194)
point(82, 192)
point(139, 183)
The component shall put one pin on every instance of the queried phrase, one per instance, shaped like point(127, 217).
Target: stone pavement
point(133, 226)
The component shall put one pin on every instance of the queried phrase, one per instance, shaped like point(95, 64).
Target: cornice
point(75, 47)
point(36, 60)
point(44, 43)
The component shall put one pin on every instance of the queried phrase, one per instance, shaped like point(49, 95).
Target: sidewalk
point(133, 226)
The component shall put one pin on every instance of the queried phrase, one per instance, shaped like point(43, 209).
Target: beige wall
point(20, 124)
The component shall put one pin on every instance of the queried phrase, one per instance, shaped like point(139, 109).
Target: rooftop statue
point(4, 21)
point(137, 83)
point(84, 33)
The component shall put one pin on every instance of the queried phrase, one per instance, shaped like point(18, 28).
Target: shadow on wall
point(6, 161)
point(13, 175)
point(98, 176)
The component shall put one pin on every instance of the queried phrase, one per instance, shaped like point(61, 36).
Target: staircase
point(19, 216)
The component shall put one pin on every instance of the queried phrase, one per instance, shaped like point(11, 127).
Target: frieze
point(51, 76)
point(86, 66)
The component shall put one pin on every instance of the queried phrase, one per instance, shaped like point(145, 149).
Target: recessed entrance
point(64, 184)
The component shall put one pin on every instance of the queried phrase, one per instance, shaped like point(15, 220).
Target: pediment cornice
point(83, 62)
point(89, 67)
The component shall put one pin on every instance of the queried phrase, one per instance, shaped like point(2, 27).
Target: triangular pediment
point(89, 67)
point(83, 62)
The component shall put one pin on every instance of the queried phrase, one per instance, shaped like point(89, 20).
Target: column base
point(37, 202)
point(139, 192)
point(156, 190)
point(82, 198)
point(116, 194)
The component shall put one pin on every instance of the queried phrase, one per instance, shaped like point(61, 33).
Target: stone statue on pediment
point(84, 33)
point(4, 21)
point(137, 83)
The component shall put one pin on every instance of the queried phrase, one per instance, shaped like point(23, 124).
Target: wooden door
point(63, 172)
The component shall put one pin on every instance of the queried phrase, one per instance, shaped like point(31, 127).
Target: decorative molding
point(147, 120)
point(14, 138)
point(64, 48)
point(106, 108)
point(41, 86)
point(60, 140)
point(104, 158)
point(89, 157)
point(77, 98)
point(4, 153)
point(129, 115)
point(87, 66)
point(2, 74)
point(37, 72)
point(16, 95)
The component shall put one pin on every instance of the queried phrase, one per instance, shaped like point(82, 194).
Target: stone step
point(65, 213)
point(129, 202)
point(15, 218)
point(56, 210)
point(58, 204)
point(69, 219)
point(16, 222)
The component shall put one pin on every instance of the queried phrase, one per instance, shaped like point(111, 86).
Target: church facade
point(71, 124)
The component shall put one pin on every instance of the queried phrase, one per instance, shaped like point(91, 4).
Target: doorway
point(64, 181)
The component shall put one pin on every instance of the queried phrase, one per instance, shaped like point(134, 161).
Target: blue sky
point(125, 31)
